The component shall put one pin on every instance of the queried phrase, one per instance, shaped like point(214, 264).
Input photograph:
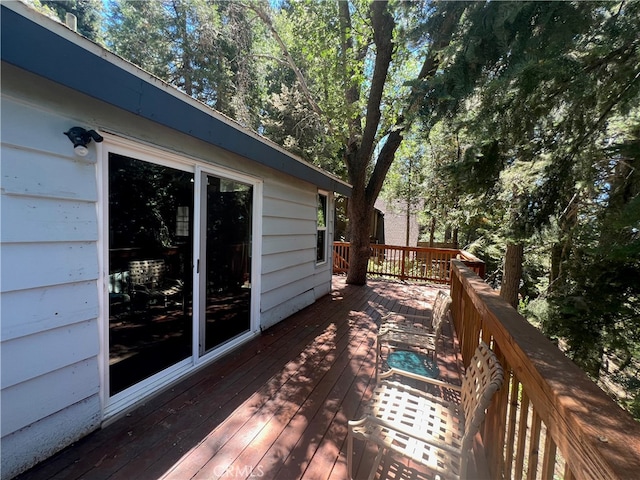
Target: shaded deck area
point(276, 408)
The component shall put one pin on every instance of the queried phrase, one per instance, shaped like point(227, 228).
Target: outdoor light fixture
point(81, 138)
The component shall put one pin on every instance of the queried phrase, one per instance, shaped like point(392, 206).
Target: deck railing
point(549, 420)
point(408, 263)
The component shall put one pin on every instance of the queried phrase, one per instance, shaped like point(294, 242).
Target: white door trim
point(113, 406)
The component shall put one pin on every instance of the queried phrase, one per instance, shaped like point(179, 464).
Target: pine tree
point(556, 86)
point(87, 12)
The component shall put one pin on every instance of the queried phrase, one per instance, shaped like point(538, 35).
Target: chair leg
point(376, 463)
point(350, 455)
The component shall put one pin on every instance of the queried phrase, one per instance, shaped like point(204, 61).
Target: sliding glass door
point(150, 269)
point(172, 226)
point(227, 209)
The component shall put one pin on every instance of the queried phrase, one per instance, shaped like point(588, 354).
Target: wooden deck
point(276, 408)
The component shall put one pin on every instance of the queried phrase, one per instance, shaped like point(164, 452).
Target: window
point(321, 247)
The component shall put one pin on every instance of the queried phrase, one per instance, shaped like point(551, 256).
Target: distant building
point(376, 230)
point(395, 223)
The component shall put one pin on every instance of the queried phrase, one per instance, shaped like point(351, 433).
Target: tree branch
point(271, 57)
point(264, 16)
point(383, 25)
point(383, 162)
point(351, 91)
point(394, 138)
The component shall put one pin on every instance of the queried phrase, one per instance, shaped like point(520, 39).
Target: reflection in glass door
point(226, 258)
point(150, 269)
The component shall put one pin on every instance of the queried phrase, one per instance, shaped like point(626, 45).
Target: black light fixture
point(81, 138)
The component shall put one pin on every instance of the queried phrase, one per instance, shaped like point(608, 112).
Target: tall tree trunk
point(447, 234)
point(185, 70)
point(432, 231)
point(554, 272)
point(359, 215)
point(408, 230)
point(512, 273)
point(361, 143)
point(408, 215)
point(363, 129)
point(360, 146)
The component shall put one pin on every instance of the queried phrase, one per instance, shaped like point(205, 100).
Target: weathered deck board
point(275, 408)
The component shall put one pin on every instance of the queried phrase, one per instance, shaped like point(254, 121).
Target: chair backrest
point(147, 272)
point(440, 312)
point(118, 282)
point(437, 306)
point(482, 378)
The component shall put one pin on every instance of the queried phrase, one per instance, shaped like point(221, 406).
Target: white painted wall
point(50, 318)
point(291, 280)
point(49, 309)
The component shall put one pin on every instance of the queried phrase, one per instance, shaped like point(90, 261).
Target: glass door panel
point(226, 257)
point(150, 269)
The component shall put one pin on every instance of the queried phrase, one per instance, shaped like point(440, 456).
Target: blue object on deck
point(413, 362)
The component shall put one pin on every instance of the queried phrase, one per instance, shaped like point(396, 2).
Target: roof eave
point(41, 46)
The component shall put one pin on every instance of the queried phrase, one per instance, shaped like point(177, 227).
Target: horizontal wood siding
point(50, 394)
point(49, 345)
point(57, 307)
point(47, 351)
point(37, 219)
point(33, 265)
point(290, 276)
point(50, 268)
point(41, 174)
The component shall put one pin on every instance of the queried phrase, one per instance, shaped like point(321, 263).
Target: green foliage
point(543, 98)
point(600, 287)
point(204, 48)
point(316, 120)
point(310, 32)
point(137, 32)
point(406, 178)
point(87, 12)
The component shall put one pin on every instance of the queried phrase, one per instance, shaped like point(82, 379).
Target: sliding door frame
point(118, 403)
point(199, 273)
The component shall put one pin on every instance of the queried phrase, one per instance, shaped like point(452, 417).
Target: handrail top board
point(596, 436)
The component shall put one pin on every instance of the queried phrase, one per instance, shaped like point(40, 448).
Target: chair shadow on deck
point(276, 407)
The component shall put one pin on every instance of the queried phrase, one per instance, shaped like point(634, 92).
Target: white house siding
point(49, 296)
point(50, 328)
point(291, 280)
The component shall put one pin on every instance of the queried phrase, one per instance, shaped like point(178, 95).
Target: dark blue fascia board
point(38, 50)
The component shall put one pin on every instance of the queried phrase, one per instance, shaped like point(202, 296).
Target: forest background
point(511, 128)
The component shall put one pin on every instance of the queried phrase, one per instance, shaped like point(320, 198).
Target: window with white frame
point(321, 237)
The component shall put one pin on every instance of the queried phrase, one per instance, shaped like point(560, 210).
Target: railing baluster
point(549, 458)
point(522, 435)
point(534, 446)
point(512, 426)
